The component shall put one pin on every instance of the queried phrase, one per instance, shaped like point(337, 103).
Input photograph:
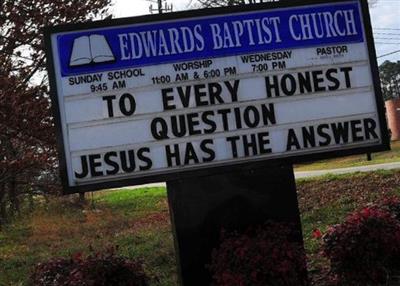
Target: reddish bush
point(263, 256)
point(392, 205)
point(365, 248)
point(52, 273)
point(93, 270)
point(316, 234)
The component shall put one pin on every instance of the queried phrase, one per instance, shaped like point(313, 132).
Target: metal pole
point(160, 6)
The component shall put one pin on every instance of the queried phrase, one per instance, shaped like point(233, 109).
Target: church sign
point(153, 98)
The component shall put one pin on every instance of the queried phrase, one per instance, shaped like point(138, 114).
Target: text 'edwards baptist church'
point(232, 34)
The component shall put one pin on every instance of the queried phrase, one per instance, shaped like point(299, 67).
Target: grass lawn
point(353, 161)
point(137, 222)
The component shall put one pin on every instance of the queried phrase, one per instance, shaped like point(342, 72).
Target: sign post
point(201, 206)
point(202, 95)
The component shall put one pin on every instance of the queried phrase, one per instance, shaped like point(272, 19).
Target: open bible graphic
point(89, 50)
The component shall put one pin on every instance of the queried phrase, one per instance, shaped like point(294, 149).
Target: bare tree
point(27, 134)
point(372, 3)
point(221, 3)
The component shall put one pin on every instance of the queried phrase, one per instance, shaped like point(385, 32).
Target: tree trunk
point(13, 196)
point(3, 213)
point(82, 198)
point(30, 198)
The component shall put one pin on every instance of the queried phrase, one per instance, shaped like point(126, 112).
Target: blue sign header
point(138, 45)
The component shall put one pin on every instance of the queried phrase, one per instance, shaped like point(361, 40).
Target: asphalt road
point(309, 174)
point(385, 166)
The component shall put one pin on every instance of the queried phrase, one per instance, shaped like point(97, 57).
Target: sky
point(385, 18)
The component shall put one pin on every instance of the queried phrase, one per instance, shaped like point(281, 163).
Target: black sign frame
point(230, 166)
